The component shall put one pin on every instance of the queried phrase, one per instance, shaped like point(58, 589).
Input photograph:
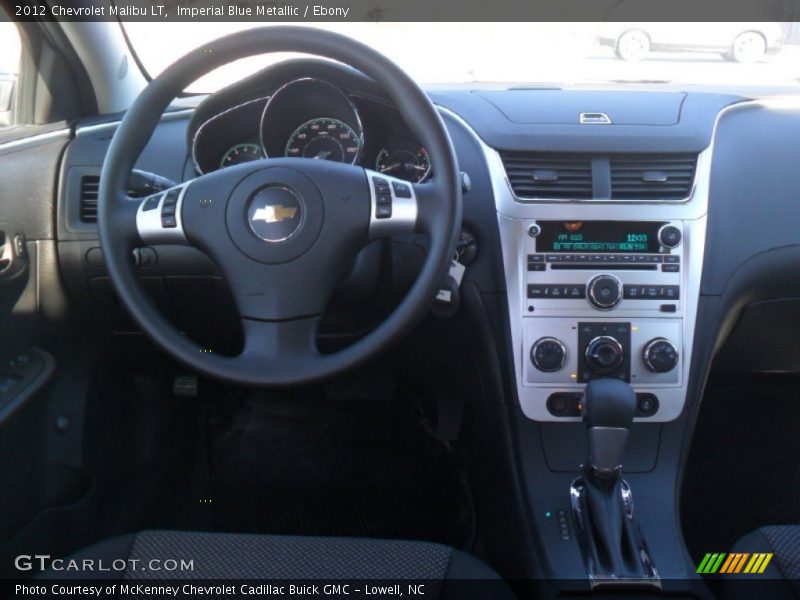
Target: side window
point(10, 48)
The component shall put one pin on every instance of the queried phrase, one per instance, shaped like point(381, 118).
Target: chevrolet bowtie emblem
point(274, 214)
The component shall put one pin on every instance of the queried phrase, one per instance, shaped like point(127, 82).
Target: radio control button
point(671, 268)
point(577, 291)
point(537, 291)
point(671, 292)
point(604, 292)
point(537, 266)
point(669, 236)
point(548, 354)
point(631, 292)
point(535, 258)
point(672, 258)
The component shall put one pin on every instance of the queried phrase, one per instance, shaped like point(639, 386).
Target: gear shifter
point(609, 405)
point(613, 548)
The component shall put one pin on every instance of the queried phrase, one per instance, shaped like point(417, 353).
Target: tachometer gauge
point(404, 164)
point(241, 153)
point(326, 139)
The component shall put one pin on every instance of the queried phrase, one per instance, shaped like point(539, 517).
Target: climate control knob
point(548, 354)
point(604, 355)
point(660, 355)
point(604, 292)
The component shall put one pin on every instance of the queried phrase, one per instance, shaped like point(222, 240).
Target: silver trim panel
point(515, 216)
point(404, 210)
point(32, 140)
point(148, 222)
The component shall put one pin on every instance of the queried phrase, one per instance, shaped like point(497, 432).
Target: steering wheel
point(282, 232)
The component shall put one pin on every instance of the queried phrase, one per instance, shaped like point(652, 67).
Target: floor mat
point(296, 463)
point(744, 465)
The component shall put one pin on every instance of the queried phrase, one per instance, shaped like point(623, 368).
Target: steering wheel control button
point(401, 190)
point(169, 208)
point(669, 236)
point(275, 214)
point(604, 292)
point(394, 206)
point(152, 202)
point(660, 355)
point(383, 198)
point(548, 354)
point(171, 197)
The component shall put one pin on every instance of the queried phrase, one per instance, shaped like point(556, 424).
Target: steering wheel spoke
point(393, 205)
point(158, 217)
point(269, 343)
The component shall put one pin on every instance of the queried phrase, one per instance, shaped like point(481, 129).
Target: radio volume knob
point(548, 354)
point(669, 236)
point(604, 292)
point(660, 355)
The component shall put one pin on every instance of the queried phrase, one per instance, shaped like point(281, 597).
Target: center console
point(602, 299)
point(600, 289)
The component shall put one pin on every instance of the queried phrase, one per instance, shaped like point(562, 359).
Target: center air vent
point(89, 187)
point(549, 175)
point(652, 176)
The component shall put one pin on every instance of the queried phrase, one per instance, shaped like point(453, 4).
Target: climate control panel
point(566, 350)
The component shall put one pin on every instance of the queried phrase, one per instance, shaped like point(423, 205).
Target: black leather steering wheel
point(282, 231)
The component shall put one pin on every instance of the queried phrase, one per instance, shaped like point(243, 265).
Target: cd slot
point(594, 266)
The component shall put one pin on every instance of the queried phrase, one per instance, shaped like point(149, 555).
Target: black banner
point(293, 11)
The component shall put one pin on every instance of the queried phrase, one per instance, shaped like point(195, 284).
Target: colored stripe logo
point(734, 563)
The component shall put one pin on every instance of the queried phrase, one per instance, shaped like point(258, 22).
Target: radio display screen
point(618, 237)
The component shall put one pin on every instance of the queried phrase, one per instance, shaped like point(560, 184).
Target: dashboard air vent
point(652, 176)
point(549, 175)
point(89, 189)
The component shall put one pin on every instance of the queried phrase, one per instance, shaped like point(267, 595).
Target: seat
point(781, 578)
point(452, 573)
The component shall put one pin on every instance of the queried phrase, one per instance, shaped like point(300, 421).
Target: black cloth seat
point(452, 573)
point(781, 578)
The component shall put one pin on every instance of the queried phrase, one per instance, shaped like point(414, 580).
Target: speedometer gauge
point(241, 153)
point(326, 139)
point(404, 164)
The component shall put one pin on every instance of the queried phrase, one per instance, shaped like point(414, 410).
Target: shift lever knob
point(608, 409)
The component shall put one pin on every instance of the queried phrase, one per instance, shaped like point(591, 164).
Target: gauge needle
point(391, 167)
point(415, 167)
point(323, 154)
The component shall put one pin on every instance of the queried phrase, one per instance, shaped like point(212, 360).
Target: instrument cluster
point(314, 119)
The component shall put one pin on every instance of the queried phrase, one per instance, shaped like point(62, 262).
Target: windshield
point(759, 54)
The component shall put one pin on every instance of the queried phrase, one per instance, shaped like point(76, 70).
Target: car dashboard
point(601, 217)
